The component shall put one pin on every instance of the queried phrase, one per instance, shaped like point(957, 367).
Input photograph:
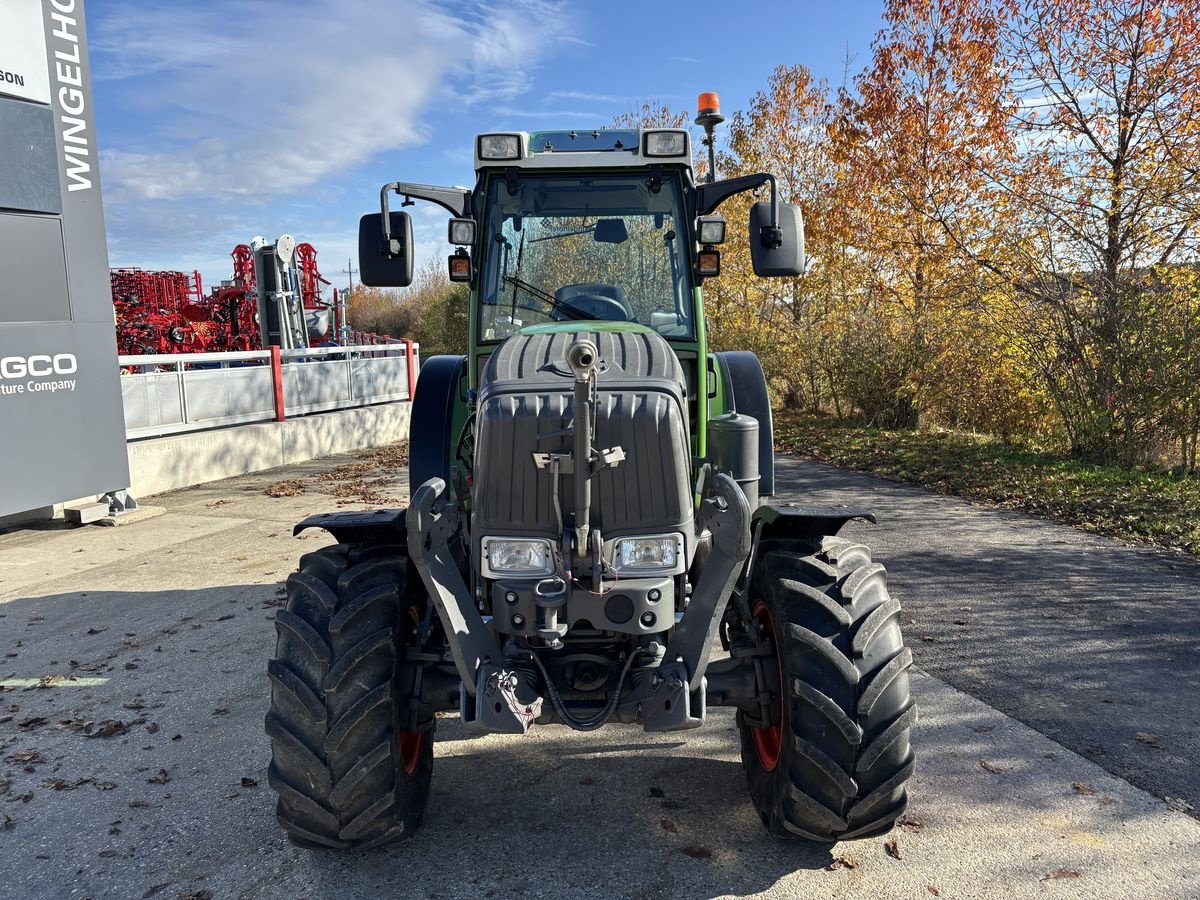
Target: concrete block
point(86, 514)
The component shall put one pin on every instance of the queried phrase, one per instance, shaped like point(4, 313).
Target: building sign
point(23, 70)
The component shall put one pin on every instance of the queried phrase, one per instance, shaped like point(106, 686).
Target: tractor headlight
point(665, 143)
point(499, 146)
point(658, 553)
point(517, 556)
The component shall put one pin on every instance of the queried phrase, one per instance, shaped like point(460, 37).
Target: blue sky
point(221, 120)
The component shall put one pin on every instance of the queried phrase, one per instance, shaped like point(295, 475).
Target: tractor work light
point(658, 553)
point(517, 556)
point(461, 232)
point(499, 146)
point(460, 267)
point(665, 143)
point(710, 229)
point(708, 263)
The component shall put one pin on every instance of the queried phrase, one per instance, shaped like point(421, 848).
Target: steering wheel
point(589, 306)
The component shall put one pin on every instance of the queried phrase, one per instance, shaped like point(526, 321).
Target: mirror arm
point(456, 200)
point(711, 195)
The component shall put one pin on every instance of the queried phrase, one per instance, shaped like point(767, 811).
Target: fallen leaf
point(104, 785)
point(909, 823)
point(285, 489)
point(217, 503)
point(1060, 873)
point(892, 846)
point(96, 630)
point(668, 826)
point(6, 823)
point(249, 782)
point(1080, 788)
point(696, 852)
point(220, 711)
point(587, 781)
point(33, 722)
point(108, 728)
point(152, 728)
point(162, 776)
point(961, 622)
point(991, 767)
point(26, 758)
point(154, 889)
point(202, 894)
point(842, 862)
point(933, 890)
point(138, 804)
point(1143, 737)
point(225, 618)
point(657, 792)
point(61, 784)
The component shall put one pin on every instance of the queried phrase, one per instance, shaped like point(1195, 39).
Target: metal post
point(412, 365)
point(277, 379)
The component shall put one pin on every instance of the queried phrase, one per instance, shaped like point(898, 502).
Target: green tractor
point(590, 517)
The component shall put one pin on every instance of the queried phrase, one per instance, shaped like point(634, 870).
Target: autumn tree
point(1106, 184)
point(911, 138)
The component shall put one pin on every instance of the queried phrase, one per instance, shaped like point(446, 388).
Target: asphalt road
point(1090, 640)
point(132, 758)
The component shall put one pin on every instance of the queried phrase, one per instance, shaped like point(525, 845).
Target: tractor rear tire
point(347, 774)
point(836, 764)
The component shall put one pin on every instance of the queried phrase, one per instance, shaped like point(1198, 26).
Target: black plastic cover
point(526, 407)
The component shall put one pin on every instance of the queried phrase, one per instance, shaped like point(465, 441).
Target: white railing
point(172, 393)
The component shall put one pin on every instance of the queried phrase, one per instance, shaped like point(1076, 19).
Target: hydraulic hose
point(601, 717)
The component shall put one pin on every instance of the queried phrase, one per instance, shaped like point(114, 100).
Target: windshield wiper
point(545, 297)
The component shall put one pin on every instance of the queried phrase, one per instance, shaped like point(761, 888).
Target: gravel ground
point(132, 758)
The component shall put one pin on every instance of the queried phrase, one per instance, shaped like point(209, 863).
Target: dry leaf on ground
point(1060, 873)
point(291, 488)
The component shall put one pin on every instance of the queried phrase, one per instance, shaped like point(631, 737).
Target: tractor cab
point(604, 229)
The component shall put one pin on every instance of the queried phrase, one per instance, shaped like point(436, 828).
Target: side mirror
point(375, 267)
point(787, 256)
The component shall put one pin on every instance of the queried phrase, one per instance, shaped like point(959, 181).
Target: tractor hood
point(526, 408)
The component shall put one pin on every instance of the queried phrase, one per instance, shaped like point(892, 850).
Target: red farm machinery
point(278, 283)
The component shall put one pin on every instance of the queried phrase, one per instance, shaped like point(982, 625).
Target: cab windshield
point(595, 247)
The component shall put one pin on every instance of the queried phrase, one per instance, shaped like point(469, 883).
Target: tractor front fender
point(360, 526)
point(787, 520)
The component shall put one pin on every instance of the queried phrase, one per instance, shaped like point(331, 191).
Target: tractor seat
point(580, 297)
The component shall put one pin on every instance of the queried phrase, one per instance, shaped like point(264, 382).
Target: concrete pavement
point(157, 633)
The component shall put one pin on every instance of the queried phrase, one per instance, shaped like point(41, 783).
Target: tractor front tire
point(835, 763)
point(346, 773)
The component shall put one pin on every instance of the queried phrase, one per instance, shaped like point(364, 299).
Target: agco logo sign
point(38, 373)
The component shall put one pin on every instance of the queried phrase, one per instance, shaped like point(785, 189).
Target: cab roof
point(583, 148)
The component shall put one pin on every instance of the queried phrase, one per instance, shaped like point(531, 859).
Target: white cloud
point(253, 99)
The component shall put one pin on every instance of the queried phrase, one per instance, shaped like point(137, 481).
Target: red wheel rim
point(411, 744)
point(767, 741)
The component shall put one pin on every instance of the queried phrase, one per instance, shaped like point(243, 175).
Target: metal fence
point(173, 393)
